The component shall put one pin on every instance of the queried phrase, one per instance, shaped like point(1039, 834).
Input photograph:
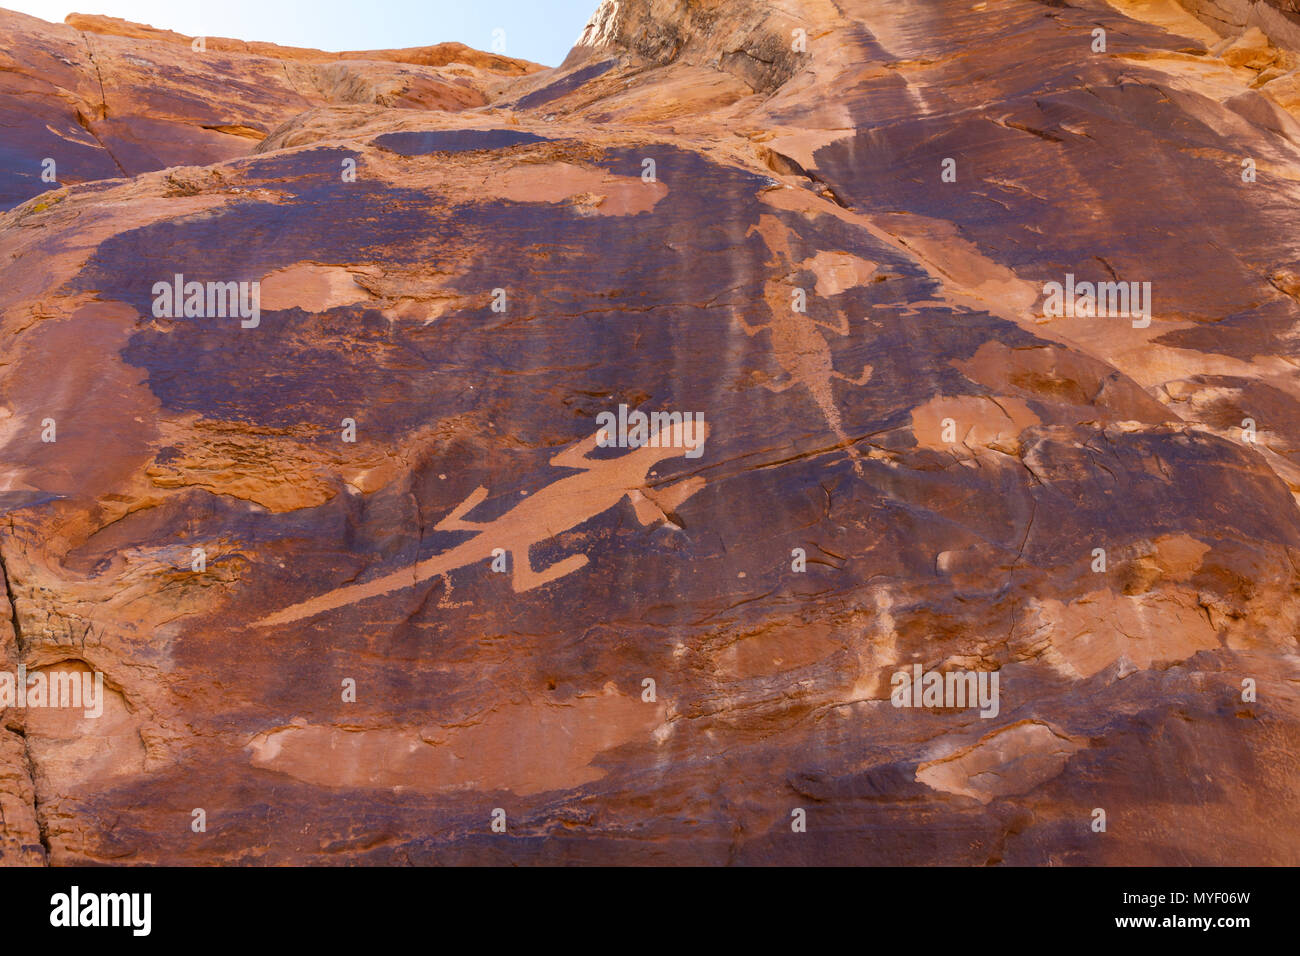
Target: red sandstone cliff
point(947, 456)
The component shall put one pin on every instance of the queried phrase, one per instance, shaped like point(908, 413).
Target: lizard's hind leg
point(455, 521)
point(525, 578)
point(862, 378)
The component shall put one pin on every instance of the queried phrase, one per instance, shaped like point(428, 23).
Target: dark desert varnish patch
point(424, 142)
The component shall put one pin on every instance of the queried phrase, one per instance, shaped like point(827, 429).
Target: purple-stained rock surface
point(313, 364)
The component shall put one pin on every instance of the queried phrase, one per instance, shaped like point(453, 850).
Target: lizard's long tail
point(352, 593)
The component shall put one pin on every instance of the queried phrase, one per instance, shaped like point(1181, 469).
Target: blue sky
point(538, 30)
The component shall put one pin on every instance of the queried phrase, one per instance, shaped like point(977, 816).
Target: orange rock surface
point(360, 568)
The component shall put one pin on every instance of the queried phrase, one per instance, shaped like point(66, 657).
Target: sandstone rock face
point(362, 579)
point(104, 98)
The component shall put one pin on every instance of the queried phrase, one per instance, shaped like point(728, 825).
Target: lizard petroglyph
point(561, 505)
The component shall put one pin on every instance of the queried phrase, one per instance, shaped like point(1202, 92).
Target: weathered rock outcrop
point(104, 98)
point(827, 228)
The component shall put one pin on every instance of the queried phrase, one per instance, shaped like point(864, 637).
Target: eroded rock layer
point(360, 579)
